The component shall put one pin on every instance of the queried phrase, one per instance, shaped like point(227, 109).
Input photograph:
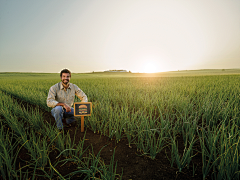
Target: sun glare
point(149, 68)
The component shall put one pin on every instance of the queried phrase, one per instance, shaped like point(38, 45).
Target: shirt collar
point(69, 87)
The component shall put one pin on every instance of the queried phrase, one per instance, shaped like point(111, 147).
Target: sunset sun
point(149, 67)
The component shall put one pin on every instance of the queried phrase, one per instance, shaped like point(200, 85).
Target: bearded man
point(61, 98)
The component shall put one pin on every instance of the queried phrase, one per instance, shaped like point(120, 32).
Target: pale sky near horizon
point(135, 35)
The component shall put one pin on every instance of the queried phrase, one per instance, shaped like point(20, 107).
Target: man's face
point(65, 78)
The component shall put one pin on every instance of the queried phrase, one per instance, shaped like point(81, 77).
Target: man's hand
point(67, 107)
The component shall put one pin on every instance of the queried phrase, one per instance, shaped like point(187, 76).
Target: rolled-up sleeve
point(80, 94)
point(51, 102)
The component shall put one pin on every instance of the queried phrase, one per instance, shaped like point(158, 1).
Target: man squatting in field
point(61, 98)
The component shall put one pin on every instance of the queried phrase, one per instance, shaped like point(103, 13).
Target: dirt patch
point(131, 162)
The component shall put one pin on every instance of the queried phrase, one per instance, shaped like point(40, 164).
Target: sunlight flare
point(149, 67)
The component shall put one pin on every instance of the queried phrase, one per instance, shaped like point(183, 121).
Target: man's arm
point(80, 94)
point(67, 107)
point(51, 102)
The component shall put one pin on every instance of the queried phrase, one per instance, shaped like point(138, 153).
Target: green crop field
point(190, 120)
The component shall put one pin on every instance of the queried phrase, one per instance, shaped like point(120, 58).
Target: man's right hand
point(67, 107)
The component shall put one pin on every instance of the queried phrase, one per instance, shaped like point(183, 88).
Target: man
point(61, 98)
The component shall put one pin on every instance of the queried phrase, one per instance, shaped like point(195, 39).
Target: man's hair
point(65, 71)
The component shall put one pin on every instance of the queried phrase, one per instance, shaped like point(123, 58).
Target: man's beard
point(65, 83)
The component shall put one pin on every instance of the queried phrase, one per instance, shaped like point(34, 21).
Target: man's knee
point(57, 110)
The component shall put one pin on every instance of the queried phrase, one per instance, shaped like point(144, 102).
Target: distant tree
point(223, 69)
point(130, 72)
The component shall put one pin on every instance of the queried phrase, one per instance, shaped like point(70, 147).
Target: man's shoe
point(73, 124)
point(66, 125)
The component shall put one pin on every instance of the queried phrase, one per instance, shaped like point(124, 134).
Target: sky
point(134, 35)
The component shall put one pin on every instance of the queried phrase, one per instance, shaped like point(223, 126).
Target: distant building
point(116, 70)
